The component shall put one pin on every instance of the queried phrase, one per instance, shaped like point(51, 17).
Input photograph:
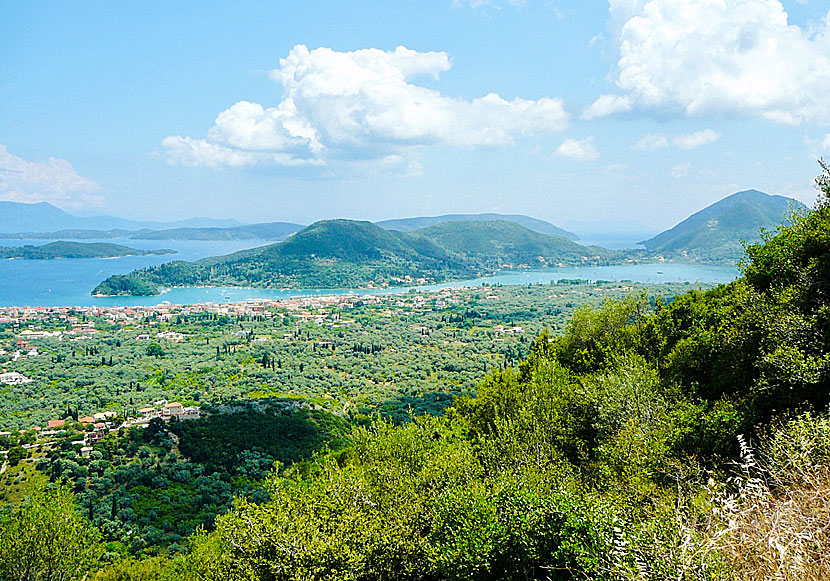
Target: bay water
point(68, 282)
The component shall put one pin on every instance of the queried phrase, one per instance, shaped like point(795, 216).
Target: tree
point(46, 540)
point(155, 350)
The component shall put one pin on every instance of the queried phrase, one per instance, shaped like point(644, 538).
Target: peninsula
point(63, 249)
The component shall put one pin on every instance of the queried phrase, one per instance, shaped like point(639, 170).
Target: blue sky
point(633, 113)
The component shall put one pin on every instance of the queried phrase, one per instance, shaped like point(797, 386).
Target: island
point(355, 254)
point(64, 249)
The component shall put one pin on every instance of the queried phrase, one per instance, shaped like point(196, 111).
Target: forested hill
point(63, 249)
point(716, 232)
point(497, 243)
point(347, 254)
point(541, 226)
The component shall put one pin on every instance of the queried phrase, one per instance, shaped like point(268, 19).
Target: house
point(85, 451)
point(94, 437)
point(172, 410)
point(86, 420)
point(53, 424)
point(13, 378)
point(147, 412)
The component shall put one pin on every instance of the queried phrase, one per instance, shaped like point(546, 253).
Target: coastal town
point(349, 351)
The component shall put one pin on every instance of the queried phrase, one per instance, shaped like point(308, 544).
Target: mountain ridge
point(45, 217)
point(716, 232)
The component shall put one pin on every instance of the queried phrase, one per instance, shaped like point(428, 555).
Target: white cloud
point(683, 141)
point(721, 57)
point(825, 143)
point(652, 142)
point(681, 170)
point(197, 152)
point(607, 105)
point(53, 180)
point(578, 150)
point(697, 139)
point(360, 104)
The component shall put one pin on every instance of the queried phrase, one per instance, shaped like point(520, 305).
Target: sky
point(624, 115)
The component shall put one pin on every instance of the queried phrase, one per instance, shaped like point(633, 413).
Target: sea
point(68, 282)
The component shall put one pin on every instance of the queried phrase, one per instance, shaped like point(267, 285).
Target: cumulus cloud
point(578, 150)
point(683, 141)
point(360, 104)
point(53, 180)
point(607, 105)
point(719, 56)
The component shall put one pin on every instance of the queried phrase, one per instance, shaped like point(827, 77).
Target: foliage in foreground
point(46, 540)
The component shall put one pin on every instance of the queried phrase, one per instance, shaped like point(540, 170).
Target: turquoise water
point(69, 282)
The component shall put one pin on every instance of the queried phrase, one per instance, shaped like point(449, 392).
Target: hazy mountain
point(716, 232)
point(44, 217)
point(265, 231)
point(411, 224)
point(74, 234)
point(347, 253)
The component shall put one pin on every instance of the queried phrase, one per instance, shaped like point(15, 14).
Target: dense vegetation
point(64, 249)
point(349, 254)
point(685, 440)
point(148, 488)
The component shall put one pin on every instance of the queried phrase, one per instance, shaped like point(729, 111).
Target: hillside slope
point(503, 244)
point(716, 232)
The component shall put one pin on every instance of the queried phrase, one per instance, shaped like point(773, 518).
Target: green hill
point(330, 253)
point(64, 249)
point(412, 224)
point(503, 244)
point(350, 254)
point(715, 233)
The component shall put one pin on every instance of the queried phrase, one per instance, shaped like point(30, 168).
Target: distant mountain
point(64, 249)
point(266, 231)
point(73, 234)
point(411, 224)
point(352, 254)
point(715, 233)
point(44, 217)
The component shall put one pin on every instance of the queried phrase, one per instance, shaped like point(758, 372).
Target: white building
point(13, 378)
